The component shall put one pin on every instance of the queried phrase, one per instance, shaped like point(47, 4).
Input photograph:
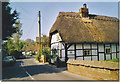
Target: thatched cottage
point(84, 36)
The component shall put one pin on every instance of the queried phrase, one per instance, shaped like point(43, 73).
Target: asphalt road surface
point(29, 69)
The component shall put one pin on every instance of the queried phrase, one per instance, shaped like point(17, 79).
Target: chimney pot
point(84, 5)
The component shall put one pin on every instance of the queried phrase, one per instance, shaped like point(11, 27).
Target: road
point(29, 69)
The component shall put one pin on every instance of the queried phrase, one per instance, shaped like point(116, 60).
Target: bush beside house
point(46, 52)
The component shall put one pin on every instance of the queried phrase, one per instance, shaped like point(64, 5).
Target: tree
point(29, 41)
point(30, 45)
point(10, 45)
point(22, 44)
point(8, 20)
point(17, 35)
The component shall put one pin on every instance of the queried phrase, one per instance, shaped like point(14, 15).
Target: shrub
point(37, 57)
point(46, 52)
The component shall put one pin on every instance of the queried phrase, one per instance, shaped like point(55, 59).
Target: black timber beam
point(69, 46)
point(75, 50)
point(66, 58)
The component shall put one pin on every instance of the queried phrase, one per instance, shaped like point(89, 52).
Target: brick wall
point(100, 70)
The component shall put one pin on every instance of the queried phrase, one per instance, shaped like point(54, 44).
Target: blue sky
point(49, 11)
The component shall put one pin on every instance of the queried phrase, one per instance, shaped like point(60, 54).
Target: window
point(60, 53)
point(87, 52)
point(107, 51)
point(54, 51)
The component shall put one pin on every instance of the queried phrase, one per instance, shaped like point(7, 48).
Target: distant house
point(84, 36)
point(29, 47)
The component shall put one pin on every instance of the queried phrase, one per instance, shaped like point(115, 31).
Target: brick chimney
point(84, 11)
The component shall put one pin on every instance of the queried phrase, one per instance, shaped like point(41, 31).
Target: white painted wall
point(56, 38)
point(108, 57)
point(86, 46)
point(79, 52)
point(63, 53)
point(101, 56)
point(79, 46)
point(79, 58)
point(118, 49)
point(71, 47)
point(94, 52)
point(87, 58)
point(113, 46)
point(101, 48)
point(113, 55)
point(94, 46)
point(94, 58)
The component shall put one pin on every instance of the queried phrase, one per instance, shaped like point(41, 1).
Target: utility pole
point(39, 37)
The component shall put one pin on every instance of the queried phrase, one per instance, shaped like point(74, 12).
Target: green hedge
point(113, 60)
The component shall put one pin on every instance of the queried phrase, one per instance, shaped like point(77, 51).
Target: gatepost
point(44, 58)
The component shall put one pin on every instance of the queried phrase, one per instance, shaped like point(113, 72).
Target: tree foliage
point(8, 20)
point(17, 35)
point(11, 45)
point(30, 46)
point(14, 43)
point(29, 41)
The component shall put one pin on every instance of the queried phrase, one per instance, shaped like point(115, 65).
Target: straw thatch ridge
point(75, 29)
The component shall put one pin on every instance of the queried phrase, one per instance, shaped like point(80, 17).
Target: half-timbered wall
point(98, 51)
point(57, 44)
point(76, 51)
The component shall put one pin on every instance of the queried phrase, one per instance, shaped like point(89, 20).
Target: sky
point(28, 13)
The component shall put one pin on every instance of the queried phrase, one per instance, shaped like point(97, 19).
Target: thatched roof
point(74, 29)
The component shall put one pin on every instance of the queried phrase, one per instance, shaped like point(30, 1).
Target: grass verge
point(113, 60)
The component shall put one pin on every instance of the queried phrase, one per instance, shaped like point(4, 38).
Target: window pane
point(87, 52)
point(107, 50)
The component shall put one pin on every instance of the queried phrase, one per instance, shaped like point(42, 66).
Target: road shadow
point(40, 69)
point(18, 71)
point(30, 57)
point(12, 71)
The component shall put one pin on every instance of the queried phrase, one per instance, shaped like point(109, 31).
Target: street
point(29, 69)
